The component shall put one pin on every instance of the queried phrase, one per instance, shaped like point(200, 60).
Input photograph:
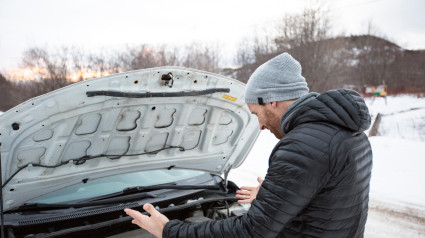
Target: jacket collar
point(289, 114)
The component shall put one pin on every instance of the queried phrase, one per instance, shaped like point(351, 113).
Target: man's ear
point(274, 104)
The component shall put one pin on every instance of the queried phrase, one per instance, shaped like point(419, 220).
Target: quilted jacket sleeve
point(295, 175)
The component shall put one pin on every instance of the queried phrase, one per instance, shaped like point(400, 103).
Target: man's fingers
point(153, 224)
point(247, 188)
point(136, 222)
point(150, 209)
point(245, 201)
point(260, 180)
point(243, 192)
point(242, 196)
point(248, 194)
point(137, 216)
point(133, 213)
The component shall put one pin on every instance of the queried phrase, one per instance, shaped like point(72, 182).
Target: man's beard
point(277, 133)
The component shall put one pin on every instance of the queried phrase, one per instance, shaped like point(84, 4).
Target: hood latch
point(168, 79)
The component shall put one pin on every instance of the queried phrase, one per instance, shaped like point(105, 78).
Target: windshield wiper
point(127, 194)
point(138, 189)
point(168, 186)
point(50, 206)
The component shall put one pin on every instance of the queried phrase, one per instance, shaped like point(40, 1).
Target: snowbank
point(398, 171)
point(402, 117)
point(398, 179)
point(394, 104)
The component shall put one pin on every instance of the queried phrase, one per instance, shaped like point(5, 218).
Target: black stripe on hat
point(260, 101)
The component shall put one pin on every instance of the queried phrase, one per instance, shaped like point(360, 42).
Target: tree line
point(328, 62)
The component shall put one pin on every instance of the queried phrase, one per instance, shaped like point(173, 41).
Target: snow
point(403, 116)
point(256, 164)
point(398, 171)
point(399, 151)
point(397, 188)
point(394, 104)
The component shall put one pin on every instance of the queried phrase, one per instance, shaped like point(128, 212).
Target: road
point(389, 220)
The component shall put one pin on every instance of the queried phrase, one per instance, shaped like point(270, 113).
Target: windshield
point(107, 185)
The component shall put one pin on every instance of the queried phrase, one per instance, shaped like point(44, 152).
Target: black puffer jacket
point(317, 184)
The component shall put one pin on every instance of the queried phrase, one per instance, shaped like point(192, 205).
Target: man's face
point(268, 117)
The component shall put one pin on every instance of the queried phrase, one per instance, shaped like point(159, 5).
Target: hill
point(355, 60)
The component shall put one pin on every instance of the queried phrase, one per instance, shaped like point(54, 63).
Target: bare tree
point(51, 69)
point(252, 55)
point(407, 72)
point(202, 57)
point(374, 59)
point(304, 37)
point(141, 57)
point(6, 96)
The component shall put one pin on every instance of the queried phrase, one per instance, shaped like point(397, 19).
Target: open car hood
point(167, 117)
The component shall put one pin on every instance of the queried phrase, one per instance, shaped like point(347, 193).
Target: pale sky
point(113, 24)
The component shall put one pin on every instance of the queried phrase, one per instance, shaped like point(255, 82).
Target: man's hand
point(247, 194)
point(153, 224)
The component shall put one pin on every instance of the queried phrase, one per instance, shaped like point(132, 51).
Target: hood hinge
point(226, 174)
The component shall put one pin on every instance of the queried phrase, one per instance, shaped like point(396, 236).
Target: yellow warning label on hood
point(230, 98)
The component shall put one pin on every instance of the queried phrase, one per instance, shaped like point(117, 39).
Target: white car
point(73, 159)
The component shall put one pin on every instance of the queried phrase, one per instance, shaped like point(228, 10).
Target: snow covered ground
point(399, 150)
point(397, 190)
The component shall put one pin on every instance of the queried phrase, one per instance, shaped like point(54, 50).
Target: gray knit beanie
point(279, 79)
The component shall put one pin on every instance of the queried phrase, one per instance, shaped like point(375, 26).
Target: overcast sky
point(113, 24)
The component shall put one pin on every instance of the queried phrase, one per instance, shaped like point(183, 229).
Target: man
point(317, 184)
